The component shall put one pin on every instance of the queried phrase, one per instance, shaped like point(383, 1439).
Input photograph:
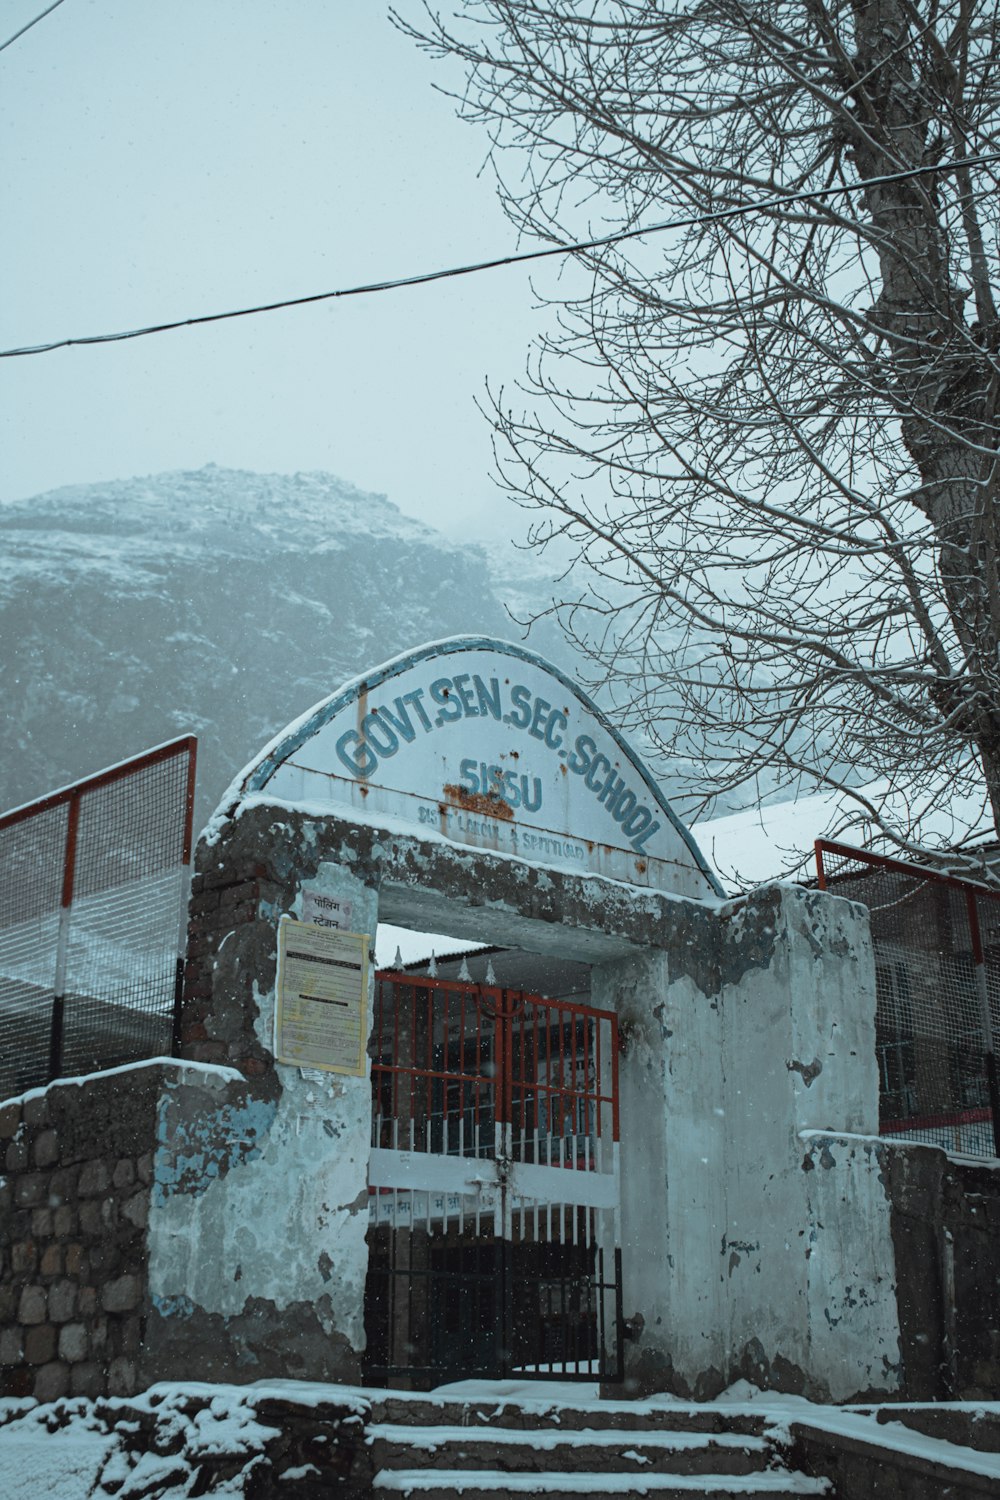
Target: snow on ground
point(551, 1392)
point(62, 1465)
point(896, 1437)
point(551, 1439)
point(82, 1450)
point(420, 1481)
point(75, 1449)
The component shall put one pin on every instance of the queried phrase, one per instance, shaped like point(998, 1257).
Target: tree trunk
point(942, 380)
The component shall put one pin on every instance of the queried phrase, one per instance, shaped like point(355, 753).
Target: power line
point(12, 39)
point(423, 278)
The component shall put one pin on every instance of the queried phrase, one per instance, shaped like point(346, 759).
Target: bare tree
point(772, 436)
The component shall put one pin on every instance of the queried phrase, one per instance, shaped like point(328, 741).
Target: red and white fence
point(937, 971)
point(93, 907)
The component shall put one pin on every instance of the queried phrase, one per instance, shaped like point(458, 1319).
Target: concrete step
point(970, 1423)
point(472, 1484)
point(512, 1450)
point(865, 1457)
point(541, 1415)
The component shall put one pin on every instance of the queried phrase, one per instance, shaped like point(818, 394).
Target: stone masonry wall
point(946, 1238)
point(74, 1200)
point(218, 1023)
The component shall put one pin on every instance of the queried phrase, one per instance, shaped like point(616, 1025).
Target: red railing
point(453, 1060)
point(937, 969)
point(93, 903)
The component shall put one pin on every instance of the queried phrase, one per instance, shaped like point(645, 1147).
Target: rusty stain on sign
point(487, 803)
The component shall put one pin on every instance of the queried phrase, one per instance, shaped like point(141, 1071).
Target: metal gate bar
point(424, 1100)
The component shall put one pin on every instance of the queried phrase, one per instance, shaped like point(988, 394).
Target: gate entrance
point(494, 1235)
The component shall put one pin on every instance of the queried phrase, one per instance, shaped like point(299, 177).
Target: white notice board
point(321, 1014)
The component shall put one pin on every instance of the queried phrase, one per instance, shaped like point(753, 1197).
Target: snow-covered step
point(472, 1484)
point(534, 1416)
point(514, 1450)
point(853, 1448)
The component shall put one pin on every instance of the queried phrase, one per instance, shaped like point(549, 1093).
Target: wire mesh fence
point(937, 982)
point(93, 901)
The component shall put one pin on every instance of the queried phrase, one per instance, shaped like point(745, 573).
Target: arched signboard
point(485, 744)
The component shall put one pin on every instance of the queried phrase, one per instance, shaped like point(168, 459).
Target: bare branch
point(771, 444)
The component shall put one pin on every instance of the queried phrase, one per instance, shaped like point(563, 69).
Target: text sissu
point(494, 781)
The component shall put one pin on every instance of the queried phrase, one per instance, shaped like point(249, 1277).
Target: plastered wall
point(745, 1026)
point(750, 1250)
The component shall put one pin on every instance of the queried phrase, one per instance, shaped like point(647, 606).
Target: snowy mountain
point(216, 601)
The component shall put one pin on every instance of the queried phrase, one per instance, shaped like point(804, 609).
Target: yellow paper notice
point(321, 1017)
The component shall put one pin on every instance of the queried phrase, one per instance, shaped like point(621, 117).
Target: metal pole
point(986, 1019)
point(62, 940)
point(183, 899)
point(502, 1221)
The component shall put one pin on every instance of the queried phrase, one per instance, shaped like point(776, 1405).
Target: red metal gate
point(494, 1234)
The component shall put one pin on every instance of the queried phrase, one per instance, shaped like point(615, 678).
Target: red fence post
point(175, 1029)
point(62, 940)
point(986, 1019)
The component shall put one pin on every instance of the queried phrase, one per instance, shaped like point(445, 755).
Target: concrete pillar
point(753, 1029)
point(808, 1273)
point(672, 1172)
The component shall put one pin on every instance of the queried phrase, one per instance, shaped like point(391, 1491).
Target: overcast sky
point(162, 160)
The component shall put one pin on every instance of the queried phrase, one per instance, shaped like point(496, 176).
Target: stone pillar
point(257, 1248)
